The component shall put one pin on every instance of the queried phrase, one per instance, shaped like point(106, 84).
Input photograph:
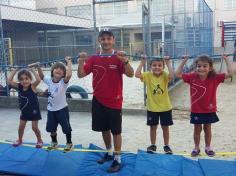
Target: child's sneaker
point(39, 144)
point(17, 143)
point(195, 152)
point(115, 167)
point(167, 149)
point(105, 158)
point(152, 149)
point(210, 152)
point(68, 147)
point(52, 146)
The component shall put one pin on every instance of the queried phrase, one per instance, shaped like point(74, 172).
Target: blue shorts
point(203, 118)
point(165, 118)
point(61, 117)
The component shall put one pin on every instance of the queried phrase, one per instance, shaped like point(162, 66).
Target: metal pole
point(95, 25)
point(185, 32)
point(46, 43)
point(149, 51)
point(121, 39)
point(172, 28)
point(194, 32)
point(163, 36)
point(3, 55)
point(144, 14)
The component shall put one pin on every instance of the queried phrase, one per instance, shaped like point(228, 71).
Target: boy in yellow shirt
point(159, 107)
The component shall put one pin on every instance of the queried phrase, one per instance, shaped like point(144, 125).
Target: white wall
point(60, 4)
point(28, 4)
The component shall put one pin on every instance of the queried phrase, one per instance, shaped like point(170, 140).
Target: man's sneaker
point(68, 147)
point(115, 167)
point(152, 149)
point(39, 144)
point(17, 143)
point(105, 158)
point(167, 149)
point(53, 146)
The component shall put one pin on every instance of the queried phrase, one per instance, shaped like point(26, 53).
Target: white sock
point(110, 151)
point(118, 158)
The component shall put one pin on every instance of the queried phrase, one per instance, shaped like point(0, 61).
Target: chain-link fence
point(41, 30)
point(33, 31)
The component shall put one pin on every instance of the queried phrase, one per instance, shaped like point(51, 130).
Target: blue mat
point(191, 167)
point(92, 168)
point(158, 164)
point(218, 167)
point(38, 162)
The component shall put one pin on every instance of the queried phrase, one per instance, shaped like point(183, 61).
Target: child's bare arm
point(229, 73)
point(40, 72)
point(81, 60)
point(10, 79)
point(169, 66)
point(37, 78)
point(138, 72)
point(68, 69)
point(179, 70)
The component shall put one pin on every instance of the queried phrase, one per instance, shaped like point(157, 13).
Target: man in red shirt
point(107, 68)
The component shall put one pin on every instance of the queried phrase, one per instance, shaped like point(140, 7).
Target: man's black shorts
point(105, 118)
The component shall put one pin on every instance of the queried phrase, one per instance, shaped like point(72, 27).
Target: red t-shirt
point(107, 79)
point(203, 93)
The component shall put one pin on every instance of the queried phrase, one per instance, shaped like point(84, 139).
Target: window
point(126, 39)
point(82, 11)
point(158, 35)
point(138, 37)
point(115, 8)
point(106, 9)
point(84, 40)
point(120, 8)
point(53, 41)
point(161, 7)
point(48, 10)
point(229, 4)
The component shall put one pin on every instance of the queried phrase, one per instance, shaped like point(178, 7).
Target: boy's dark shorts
point(61, 117)
point(203, 118)
point(165, 118)
point(104, 118)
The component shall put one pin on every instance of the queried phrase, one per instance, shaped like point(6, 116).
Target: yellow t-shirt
point(158, 99)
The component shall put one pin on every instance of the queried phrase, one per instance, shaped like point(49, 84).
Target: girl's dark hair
point(59, 65)
point(159, 60)
point(207, 59)
point(24, 72)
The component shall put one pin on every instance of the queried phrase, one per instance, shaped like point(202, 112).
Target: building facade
point(224, 11)
point(187, 24)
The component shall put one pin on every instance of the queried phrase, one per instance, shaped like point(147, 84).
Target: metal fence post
point(95, 25)
point(3, 52)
